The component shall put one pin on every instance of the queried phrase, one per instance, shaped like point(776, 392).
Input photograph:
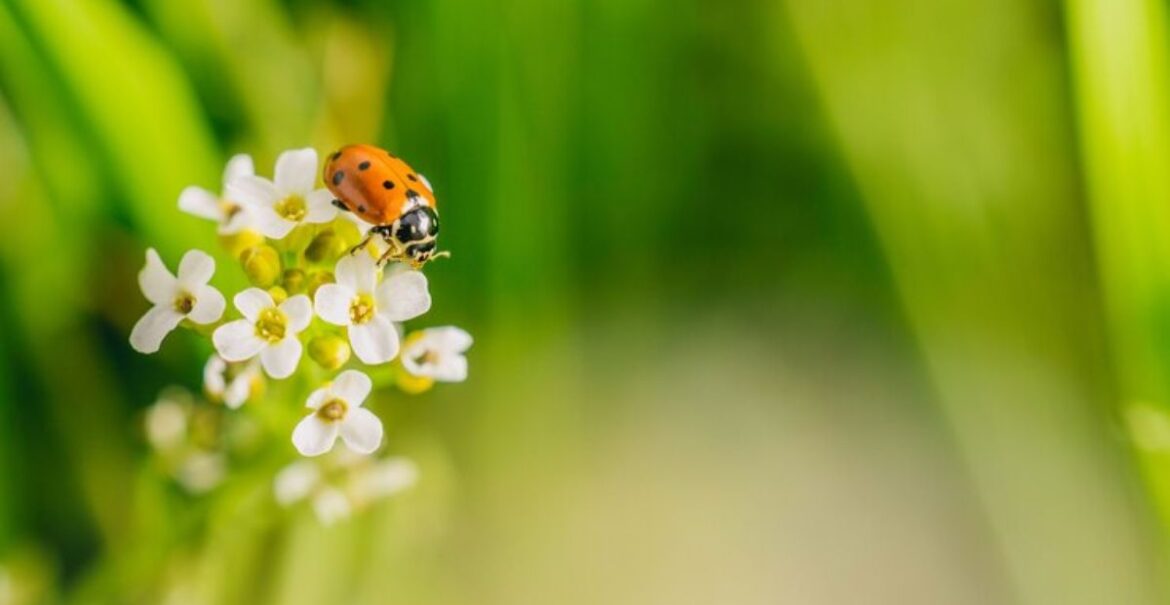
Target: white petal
point(320, 208)
point(332, 303)
point(449, 367)
point(330, 506)
point(363, 227)
point(448, 338)
point(404, 296)
point(209, 305)
point(374, 342)
point(239, 165)
point(296, 170)
point(299, 311)
point(358, 272)
point(242, 218)
point(195, 269)
point(271, 224)
point(157, 284)
point(252, 301)
point(313, 436)
point(352, 386)
point(385, 479)
point(361, 430)
point(148, 333)
point(295, 481)
point(319, 397)
point(201, 203)
point(237, 340)
point(213, 370)
point(240, 389)
point(253, 190)
point(280, 359)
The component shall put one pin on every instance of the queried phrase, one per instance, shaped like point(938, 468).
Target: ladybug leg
point(362, 244)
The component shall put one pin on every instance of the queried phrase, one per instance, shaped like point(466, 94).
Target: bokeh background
point(775, 301)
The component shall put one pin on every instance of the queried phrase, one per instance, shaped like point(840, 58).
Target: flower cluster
point(314, 293)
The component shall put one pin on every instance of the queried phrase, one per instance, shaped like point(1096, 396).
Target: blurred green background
point(775, 301)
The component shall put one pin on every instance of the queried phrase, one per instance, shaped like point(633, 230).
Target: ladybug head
point(415, 233)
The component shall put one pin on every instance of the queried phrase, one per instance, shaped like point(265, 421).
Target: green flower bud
point(262, 265)
point(330, 352)
point(317, 279)
point(326, 247)
point(293, 281)
point(278, 294)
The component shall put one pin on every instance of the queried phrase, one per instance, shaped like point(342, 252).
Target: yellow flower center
point(333, 410)
point(271, 324)
point(361, 309)
point(184, 302)
point(292, 208)
point(229, 209)
point(427, 357)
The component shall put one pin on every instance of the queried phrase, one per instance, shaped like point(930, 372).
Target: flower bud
point(293, 281)
point(409, 383)
point(326, 247)
point(278, 294)
point(316, 280)
point(237, 243)
point(330, 352)
point(262, 264)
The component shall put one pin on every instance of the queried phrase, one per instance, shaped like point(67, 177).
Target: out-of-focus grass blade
point(1120, 50)
point(961, 158)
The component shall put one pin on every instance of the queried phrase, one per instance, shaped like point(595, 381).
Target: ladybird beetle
point(386, 192)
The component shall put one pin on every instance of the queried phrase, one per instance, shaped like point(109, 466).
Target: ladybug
point(386, 192)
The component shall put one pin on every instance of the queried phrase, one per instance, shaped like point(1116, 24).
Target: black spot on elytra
point(362, 208)
point(336, 154)
point(387, 184)
point(364, 166)
point(392, 156)
point(412, 177)
point(338, 177)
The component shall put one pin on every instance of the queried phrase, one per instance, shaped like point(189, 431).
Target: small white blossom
point(348, 483)
point(383, 479)
point(331, 506)
point(369, 310)
point(280, 205)
point(267, 330)
point(437, 353)
point(295, 482)
point(175, 298)
point(233, 393)
point(337, 412)
point(166, 424)
point(231, 216)
point(200, 472)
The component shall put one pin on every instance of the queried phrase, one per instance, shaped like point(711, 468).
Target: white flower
point(295, 482)
point(175, 298)
point(235, 392)
point(337, 412)
point(383, 479)
point(437, 353)
point(200, 472)
point(267, 330)
point(290, 200)
point(369, 310)
point(231, 216)
point(331, 506)
point(166, 423)
point(338, 485)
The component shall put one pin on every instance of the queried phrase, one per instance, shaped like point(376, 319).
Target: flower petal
point(374, 342)
point(156, 282)
point(332, 303)
point(252, 301)
point(385, 479)
point(448, 338)
point(330, 505)
point(242, 218)
point(296, 171)
point(201, 203)
point(213, 370)
point(352, 386)
point(280, 359)
point(195, 269)
point(252, 190)
point(239, 165)
point(363, 227)
point(299, 311)
point(404, 296)
point(237, 340)
point(149, 332)
point(240, 389)
point(319, 397)
point(209, 305)
point(295, 481)
point(361, 430)
point(358, 272)
point(320, 208)
point(314, 436)
point(270, 224)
